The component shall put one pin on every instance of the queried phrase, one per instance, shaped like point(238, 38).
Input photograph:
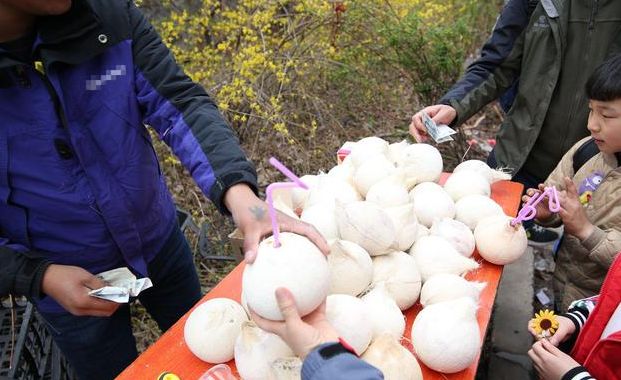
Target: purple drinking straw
point(278, 185)
point(528, 211)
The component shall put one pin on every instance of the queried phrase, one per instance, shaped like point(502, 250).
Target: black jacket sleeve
point(185, 117)
point(21, 273)
point(498, 67)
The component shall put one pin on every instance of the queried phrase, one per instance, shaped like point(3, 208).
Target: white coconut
point(446, 335)
point(299, 195)
point(481, 167)
point(446, 287)
point(423, 160)
point(371, 172)
point(456, 233)
point(255, 349)
point(394, 360)
point(434, 255)
point(383, 312)
point(212, 329)
point(323, 217)
point(430, 202)
point(399, 273)
point(467, 182)
point(472, 208)
point(389, 192)
point(351, 268)
point(348, 317)
point(498, 241)
point(297, 265)
point(366, 224)
point(406, 225)
point(367, 147)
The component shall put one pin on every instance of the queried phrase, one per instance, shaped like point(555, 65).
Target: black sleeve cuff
point(28, 280)
point(223, 183)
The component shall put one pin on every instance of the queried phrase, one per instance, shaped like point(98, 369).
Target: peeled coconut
point(365, 148)
point(366, 224)
point(394, 360)
point(482, 168)
point(406, 225)
point(328, 189)
point(424, 160)
point(371, 172)
point(395, 150)
point(212, 329)
point(289, 368)
point(498, 241)
point(467, 182)
point(299, 195)
point(348, 317)
point(472, 208)
point(383, 312)
point(399, 273)
point(297, 265)
point(255, 349)
point(351, 268)
point(344, 171)
point(446, 335)
point(322, 216)
point(434, 255)
point(456, 233)
point(446, 287)
point(430, 202)
point(389, 192)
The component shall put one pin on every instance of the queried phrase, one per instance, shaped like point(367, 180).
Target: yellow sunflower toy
point(544, 323)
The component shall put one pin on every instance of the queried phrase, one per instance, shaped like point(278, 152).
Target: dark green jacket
point(552, 50)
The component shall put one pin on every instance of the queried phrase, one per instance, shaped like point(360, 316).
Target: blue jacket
point(80, 183)
point(343, 366)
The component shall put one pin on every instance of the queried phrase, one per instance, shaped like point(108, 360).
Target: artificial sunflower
point(544, 323)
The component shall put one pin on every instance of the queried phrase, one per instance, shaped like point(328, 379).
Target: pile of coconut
point(392, 230)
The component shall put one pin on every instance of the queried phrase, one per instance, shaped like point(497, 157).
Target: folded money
point(122, 284)
point(439, 133)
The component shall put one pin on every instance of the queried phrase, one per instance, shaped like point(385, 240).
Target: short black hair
point(605, 82)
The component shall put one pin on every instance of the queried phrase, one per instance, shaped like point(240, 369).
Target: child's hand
point(572, 212)
point(550, 362)
point(543, 212)
point(565, 329)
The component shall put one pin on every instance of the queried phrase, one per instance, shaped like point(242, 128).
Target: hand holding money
point(69, 286)
point(440, 114)
point(439, 133)
point(120, 284)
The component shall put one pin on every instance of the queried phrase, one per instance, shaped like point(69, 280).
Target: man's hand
point(441, 114)
point(550, 362)
point(542, 209)
point(70, 285)
point(572, 212)
point(301, 334)
point(565, 329)
point(252, 217)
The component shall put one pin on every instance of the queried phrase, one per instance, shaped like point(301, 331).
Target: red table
point(170, 353)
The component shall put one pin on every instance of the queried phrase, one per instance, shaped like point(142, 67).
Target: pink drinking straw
point(528, 211)
point(278, 185)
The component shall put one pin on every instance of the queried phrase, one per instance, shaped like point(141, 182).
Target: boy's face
point(605, 124)
point(38, 7)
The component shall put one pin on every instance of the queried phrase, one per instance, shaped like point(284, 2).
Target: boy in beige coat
point(590, 197)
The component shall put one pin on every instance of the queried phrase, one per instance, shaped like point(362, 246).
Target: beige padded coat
point(581, 266)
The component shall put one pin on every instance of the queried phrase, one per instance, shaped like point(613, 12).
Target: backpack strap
point(586, 151)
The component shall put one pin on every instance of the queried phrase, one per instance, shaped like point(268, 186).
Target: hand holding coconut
point(251, 217)
point(301, 334)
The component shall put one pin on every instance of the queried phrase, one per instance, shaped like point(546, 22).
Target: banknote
point(121, 285)
point(439, 133)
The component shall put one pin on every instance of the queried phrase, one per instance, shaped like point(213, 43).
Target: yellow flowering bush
point(287, 73)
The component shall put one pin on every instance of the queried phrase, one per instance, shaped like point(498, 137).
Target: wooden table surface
point(170, 352)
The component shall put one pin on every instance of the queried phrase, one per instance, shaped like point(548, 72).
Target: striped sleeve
point(578, 316)
point(578, 373)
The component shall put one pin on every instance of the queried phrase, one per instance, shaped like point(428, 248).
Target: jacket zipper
point(585, 58)
point(60, 112)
